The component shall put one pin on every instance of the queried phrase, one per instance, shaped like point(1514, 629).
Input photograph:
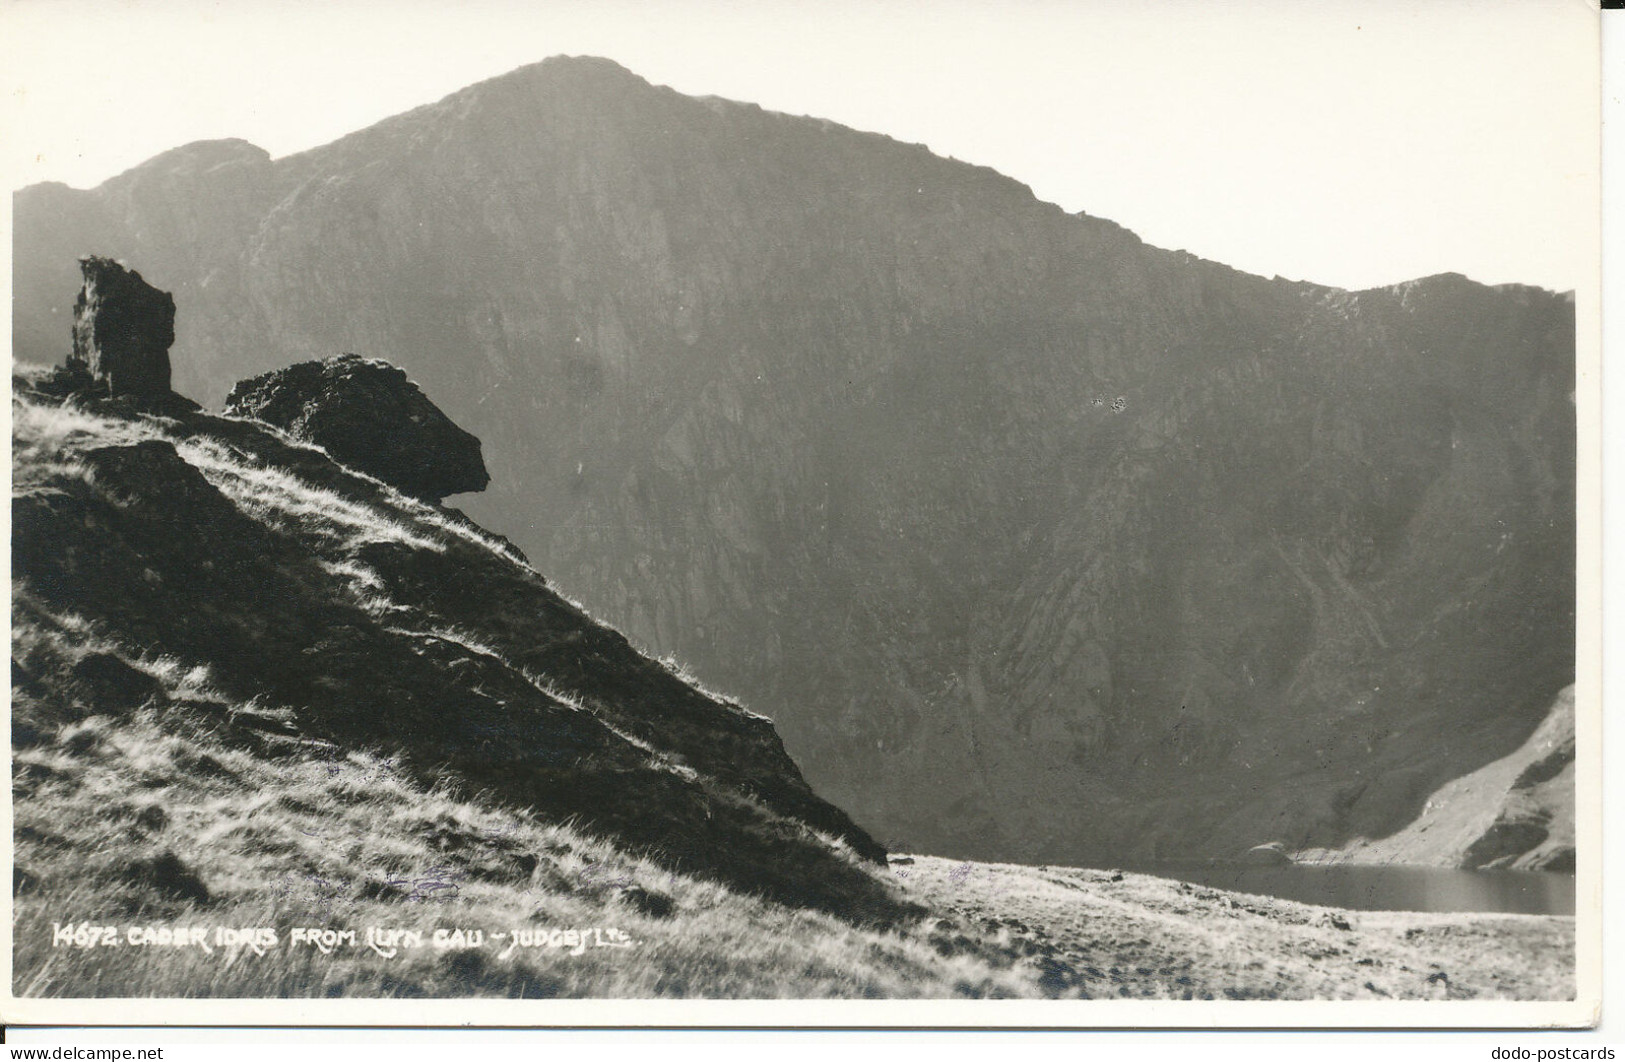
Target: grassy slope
point(323, 838)
point(151, 790)
point(364, 618)
point(1106, 933)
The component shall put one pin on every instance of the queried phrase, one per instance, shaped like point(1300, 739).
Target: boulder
point(109, 684)
point(122, 330)
point(369, 416)
point(1273, 854)
point(168, 876)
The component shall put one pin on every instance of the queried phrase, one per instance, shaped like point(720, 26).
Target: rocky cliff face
point(1039, 543)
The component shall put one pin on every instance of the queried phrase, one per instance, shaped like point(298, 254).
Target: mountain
point(1038, 543)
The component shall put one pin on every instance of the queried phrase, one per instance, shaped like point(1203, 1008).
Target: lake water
point(1386, 888)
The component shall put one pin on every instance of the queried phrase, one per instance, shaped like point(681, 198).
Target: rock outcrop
point(331, 616)
point(368, 415)
point(123, 328)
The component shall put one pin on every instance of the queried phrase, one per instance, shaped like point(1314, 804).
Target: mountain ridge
point(245, 150)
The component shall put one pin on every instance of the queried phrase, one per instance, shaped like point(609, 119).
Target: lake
point(1385, 888)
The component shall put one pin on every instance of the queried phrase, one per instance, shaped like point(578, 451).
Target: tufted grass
point(323, 838)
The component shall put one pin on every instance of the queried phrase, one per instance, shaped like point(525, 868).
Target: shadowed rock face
point(369, 416)
point(122, 329)
point(1038, 543)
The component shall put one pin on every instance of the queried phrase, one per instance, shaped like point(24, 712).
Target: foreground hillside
point(346, 842)
point(1107, 550)
point(324, 610)
point(255, 691)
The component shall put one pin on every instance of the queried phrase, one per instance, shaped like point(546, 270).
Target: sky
point(1348, 142)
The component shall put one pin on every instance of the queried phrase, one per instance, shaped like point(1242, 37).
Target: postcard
point(950, 514)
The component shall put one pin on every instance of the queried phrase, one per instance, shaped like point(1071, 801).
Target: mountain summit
point(1038, 542)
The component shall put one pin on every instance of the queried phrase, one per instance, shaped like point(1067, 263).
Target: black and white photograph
point(1045, 514)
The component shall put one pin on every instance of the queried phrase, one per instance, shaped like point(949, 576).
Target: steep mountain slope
point(1039, 543)
point(331, 612)
point(252, 699)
